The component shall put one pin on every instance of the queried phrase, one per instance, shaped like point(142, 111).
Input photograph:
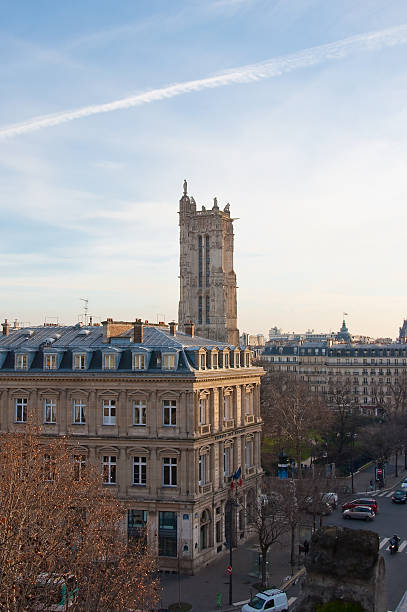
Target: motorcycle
point(394, 546)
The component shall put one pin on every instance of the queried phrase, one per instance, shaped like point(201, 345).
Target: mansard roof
point(68, 340)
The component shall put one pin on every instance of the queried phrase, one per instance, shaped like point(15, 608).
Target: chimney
point(189, 328)
point(173, 328)
point(138, 331)
point(6, 327)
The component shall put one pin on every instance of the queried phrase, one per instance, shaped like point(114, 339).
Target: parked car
point(399, 496)
point(272, 599)
point(403, 484)
point(362, 501)
point(365, 513)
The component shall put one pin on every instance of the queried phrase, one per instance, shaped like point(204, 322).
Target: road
point(390, 519)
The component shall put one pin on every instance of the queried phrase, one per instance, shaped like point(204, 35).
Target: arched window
point(205, 529)
point(200, 262)
point(207, 260)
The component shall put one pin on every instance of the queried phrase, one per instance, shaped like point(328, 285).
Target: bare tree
point(60, 535)
point(292, 413)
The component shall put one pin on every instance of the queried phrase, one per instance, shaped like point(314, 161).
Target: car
point(362, 501)
point(403, 483)
point(364, 513)
point(399, 496)
point(272, 599)
point(331, 499)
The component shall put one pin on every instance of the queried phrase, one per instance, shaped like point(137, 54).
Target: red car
point(363, 501)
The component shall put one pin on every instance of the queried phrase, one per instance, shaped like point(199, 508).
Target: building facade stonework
point(166, 416)
point(207, 279)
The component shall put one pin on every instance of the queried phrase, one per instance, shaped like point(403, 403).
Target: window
point(79, 466)
point(21, 410)
point(202, 469)
point(248, 453)
point(202, 361)
point(247, 360)
point(167, 534)
point(139, 470)
point(136, 524)
point(21, 361)
point(226, 461)
point(214, 360)
point(139, 361)
point(226, 408)
point(50, 361)
point(207, 305)
point(79, 412)
point(168, 362)
point(109, 466)
point(169, 413)
point(225, 360)
point(50, 412)
point(202, 411)
point(169, 472)
point(109, 412)
point(139, 413)
point(200, 310)
point(109, 361)
point(248, 403)
point(207, 270)
point(79, 361)
point(200, 262)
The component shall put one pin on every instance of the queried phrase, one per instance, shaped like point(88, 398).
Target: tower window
point(200, 310)
point(208, 319)
point(207, 260)
point(200, 262)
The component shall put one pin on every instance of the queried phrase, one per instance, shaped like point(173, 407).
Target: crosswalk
point(382, 493)
point(384, 543)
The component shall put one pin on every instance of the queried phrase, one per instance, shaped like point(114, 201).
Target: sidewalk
point(201, 590)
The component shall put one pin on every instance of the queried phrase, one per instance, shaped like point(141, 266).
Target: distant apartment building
point(367, 374)
point(166, 416)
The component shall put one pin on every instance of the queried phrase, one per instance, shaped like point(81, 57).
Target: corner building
point(168, 417)
point(207, 279)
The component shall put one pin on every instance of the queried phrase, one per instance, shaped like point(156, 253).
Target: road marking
point(389, 494)
point(402, 545)
point(383, 542)
point(241, 603)
point(291, 600)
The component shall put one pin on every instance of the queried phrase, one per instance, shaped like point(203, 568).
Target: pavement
point(208, 591)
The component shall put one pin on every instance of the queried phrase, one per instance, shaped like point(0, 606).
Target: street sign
point(229, 569)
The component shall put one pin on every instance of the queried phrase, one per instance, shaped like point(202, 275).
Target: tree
point(266, 518)
point(292, 413)
point(59, 529)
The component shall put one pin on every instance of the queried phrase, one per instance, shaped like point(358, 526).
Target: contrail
point(264, 70)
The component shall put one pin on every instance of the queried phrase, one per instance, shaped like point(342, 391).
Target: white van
point(272, 599)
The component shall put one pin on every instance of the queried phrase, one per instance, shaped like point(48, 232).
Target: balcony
point(205, 488)
point(204, 429)
point(248, 419)
point(228, 424)
point(250, 470)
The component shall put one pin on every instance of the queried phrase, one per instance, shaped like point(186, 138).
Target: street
point(390, 519)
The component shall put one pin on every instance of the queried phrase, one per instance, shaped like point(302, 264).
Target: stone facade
point(168, 417)
point(207, 278)
point(344, 565)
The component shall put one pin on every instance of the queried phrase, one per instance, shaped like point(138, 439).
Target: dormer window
point(225, 359)
point(215, 360)
point(50, 361)
point(109, 361)
point(247, 360)
point(139, 361)
point(21, 361)
point(79, 361)
point(202, 361)
point(168, 362)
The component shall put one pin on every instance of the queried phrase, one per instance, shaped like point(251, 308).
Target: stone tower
point(207, 278)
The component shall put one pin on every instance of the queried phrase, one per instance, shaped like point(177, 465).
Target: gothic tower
point(207, 279)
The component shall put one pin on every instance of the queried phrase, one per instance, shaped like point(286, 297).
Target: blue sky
point(312, 161)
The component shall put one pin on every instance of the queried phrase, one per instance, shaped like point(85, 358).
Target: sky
point(293, 111)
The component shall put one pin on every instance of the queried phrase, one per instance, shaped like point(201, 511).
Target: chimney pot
point(138, 331)
point(173, 328)
point(189, 329)
point(6, 327)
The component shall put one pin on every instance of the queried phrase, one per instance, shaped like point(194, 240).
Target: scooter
point(394, 547)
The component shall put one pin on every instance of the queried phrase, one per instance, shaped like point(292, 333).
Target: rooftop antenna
point(160, 317)
point(85, 309)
